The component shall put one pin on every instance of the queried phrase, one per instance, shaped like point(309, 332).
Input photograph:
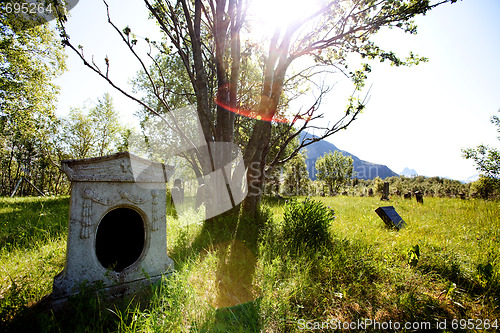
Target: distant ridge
point(363, 169)
point(471, 179)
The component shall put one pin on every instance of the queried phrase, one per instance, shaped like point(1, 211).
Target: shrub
point(305, 225)
point(486, 188)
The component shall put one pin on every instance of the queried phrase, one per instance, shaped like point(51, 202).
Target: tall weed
point(306, 226)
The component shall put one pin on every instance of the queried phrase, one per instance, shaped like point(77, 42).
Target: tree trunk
point(258, 144)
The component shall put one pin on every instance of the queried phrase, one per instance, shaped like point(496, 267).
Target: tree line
point(33, 138)
point(335, 176)
point(30, 57)
point(31, 155)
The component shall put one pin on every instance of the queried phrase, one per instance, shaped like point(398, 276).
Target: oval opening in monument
point(120, 239)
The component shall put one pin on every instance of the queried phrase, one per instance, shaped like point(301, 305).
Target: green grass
point(239, 275)
point(25, 222)
point(32, 242)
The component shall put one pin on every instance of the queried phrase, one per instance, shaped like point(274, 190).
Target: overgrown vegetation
point(296, 182)
point(486, 188)
point(294, 264)
point(30, 57)
point(305, 227)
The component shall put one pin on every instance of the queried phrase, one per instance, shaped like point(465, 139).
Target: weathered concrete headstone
point(200, 196)
point(178, 192)
point(419, 196)
point(117, 237)
point(385, 193)
point(391, 218)
point(174, 194)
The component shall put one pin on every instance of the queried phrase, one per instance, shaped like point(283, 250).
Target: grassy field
point(241, 275)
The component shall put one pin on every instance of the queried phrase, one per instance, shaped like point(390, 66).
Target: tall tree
point(296, 177)
point(336, 170)
point(30, 57)
point(487, 159)
point(93, 132)
point(209, 41)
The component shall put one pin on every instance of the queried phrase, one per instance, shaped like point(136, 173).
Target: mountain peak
point(407, 172)
point(363, 169)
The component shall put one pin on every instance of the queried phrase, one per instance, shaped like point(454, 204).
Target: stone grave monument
point(177, 192)
point(419, 196)
point(117, 239)
point(391, 218)
point(385, 193)
point(200, 196)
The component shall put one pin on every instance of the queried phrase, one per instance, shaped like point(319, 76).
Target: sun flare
point(269, 15)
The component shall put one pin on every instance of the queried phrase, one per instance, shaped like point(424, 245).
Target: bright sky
point(419, 117)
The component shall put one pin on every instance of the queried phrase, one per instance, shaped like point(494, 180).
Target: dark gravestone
point(370, 192)
point(385, 193)
point(407, 195)
point(391, 218)
point(420, 197)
